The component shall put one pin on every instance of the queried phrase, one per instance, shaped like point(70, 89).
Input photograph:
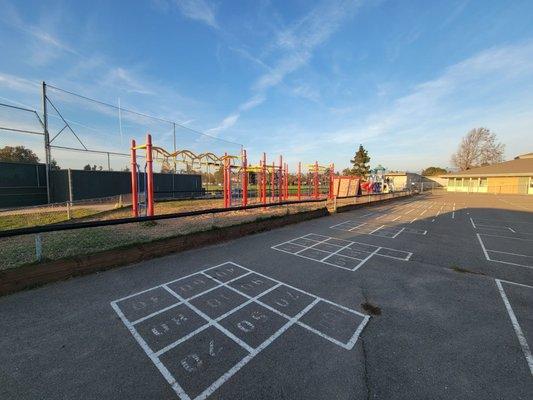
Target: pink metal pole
point(134, 189)
point(150, 177)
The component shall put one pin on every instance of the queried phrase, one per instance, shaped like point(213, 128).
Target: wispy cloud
point(469, 93)
point(45, 45)
point(122, 77)
point(198, 10)
point(293, 48)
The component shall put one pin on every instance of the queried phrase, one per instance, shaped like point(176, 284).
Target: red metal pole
point(316, 180)
point(263, 181)
point(331, 178)
point(272, 185)
point(225, 180)
point(286, 181)
point(244, 179)
point(299, 180)
point(280, 179)
point(150, 177)
point(134, 189)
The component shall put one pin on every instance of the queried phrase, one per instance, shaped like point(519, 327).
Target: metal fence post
point(47, 158)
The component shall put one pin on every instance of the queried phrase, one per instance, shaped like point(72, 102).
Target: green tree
point(432, 171)
point(18, 154)
point(360, 162)
point(54, 165)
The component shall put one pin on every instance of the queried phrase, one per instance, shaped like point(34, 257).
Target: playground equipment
point(377, 182)
point(142, 202)
point(345, 186)
point(270, 180)
point(320, 176)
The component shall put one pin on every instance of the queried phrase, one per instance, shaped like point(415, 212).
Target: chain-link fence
point(23, 249)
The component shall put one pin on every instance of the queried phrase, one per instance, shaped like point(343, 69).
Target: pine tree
point(360, 162)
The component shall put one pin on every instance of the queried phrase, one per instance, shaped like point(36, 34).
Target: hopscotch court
point(201, 329)
point(338, 253)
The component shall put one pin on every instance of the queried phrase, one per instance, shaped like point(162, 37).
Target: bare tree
point(479, 147)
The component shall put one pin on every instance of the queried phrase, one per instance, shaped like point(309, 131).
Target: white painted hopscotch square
point(338, 253)
point(201, 329)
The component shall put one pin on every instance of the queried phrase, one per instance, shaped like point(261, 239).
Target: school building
point(509, 177)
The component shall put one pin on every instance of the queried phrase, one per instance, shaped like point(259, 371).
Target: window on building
point(531, 182)
point(451, 181)
point(483, 182)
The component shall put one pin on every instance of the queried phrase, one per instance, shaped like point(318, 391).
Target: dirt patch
point(371, 308)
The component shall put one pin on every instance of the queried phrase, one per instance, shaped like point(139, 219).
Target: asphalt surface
point(428, 297)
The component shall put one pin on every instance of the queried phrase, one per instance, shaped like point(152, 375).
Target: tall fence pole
point(47, 157)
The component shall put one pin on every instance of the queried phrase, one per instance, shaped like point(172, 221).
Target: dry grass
point(20, 250)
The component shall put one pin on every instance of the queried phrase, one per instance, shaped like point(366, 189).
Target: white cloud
point(199, 10)
point(124, 78)
point(226, 123)
point(294, 48)
point(436, 113)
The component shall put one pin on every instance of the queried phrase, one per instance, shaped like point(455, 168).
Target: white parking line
point(516, 326)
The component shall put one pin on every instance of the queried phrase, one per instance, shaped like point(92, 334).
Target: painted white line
point(377, 229)
point(483, 247)
point(512, 254)
point(486, 252)
point(516, 326)
point(155, 360)
point(507, 237)
point(453, 212)
point(335, 252)
point(357, 226)
point(211, 320)
point(397, 218)
point(472, 222)
point(516, 283)
point(214, 322)
point(232, 371)
point(166, 283)
point(155, 313)
point(413, 220)
point(397, 233)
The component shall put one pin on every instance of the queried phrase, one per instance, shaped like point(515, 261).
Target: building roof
point(522, 165)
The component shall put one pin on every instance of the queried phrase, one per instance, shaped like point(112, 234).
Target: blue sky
point(310, 80)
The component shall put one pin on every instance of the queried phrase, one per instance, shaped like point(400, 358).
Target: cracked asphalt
point(437, 325)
